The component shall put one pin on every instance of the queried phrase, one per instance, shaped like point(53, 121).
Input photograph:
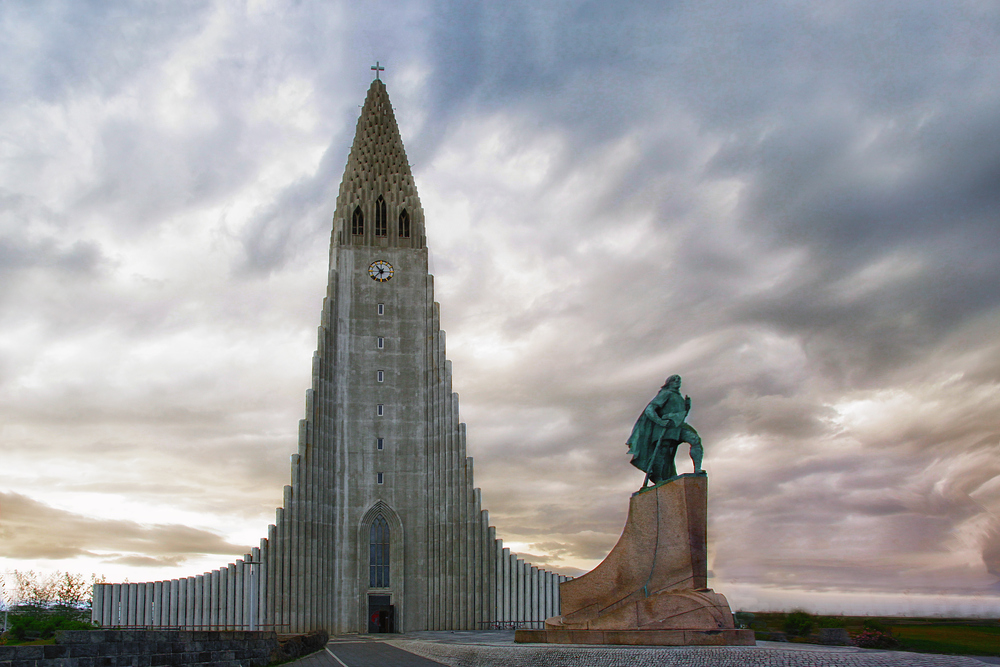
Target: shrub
point(799, 623)
point(875, 625)
point(27, 621)
point(875, 639)
point(744, 619)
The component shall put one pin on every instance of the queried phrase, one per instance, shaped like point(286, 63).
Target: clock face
point(380, 270)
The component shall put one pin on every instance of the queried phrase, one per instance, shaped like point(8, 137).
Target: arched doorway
point(381, 541)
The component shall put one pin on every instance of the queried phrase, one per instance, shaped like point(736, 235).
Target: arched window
point(381, 224)
point(378, 570)
point(358, 222)
point(404, 224)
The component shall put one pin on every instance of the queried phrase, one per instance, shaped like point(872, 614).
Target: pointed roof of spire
point(378, 148)
point(377, 166)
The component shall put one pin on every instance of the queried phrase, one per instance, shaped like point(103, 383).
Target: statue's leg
point(697, 452)
point(666, 466)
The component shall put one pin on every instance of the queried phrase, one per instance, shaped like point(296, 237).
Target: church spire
point(378, 203)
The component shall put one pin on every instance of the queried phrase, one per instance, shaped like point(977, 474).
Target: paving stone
point(476, 649)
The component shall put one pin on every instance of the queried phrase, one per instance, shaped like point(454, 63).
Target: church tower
point(381, 528)
point(407, 536)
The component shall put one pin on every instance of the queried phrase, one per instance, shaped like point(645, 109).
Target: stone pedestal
point(652, 587)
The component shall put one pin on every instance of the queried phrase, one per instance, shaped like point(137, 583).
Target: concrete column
point(123, 605)
point(106, 605)
point(234, 612)
point(550, 594)
point(182, 603)
point(113, 619)
point(286, 548)
point(480, 560)
point(269, 569)
point(279, 551)
point(438, 459)
point(207, 600)
point(198, 600)
point(435, 557)
point(508, 589)
point(522, 590)
point(515, 588)
point(170, 604)
point(492, 559)
point(291, 601)
point(536, 588)
point(214, 599)
point(160, 590)
point(97, 605)
point(260, 603)
point(306, 590)
point(239, 596)
point(128, 604)
point(219, 580)
point(148, 614)
point(147, 606)
point(140, 604)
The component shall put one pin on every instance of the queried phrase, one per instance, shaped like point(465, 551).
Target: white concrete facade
point(381, 440)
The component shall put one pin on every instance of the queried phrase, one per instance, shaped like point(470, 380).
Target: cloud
point(794, 207)
point(32, 529)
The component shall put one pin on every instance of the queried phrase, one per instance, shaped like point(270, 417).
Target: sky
point(793, 205)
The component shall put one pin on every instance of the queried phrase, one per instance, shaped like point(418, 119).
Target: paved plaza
point(475, 649)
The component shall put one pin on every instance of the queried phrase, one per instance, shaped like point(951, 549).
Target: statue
point(658, 432)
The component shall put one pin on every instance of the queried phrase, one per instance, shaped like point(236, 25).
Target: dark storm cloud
point(298, 216)
point(31, 529)
point(855, 140)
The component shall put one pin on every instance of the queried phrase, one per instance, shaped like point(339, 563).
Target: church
point(381, 528)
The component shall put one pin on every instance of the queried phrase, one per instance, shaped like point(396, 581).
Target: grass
point(13, 641)
point(952, 636)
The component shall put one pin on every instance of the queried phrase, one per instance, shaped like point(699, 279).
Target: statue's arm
point(655, 418)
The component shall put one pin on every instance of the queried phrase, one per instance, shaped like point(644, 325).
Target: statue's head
point(673, 382)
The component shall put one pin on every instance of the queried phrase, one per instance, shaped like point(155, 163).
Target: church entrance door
point(381, 614)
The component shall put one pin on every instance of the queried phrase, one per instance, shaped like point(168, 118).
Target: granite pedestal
point(653, 586)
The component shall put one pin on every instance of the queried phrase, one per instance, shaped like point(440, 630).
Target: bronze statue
point(658, 432)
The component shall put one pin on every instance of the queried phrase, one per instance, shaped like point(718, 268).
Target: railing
point(511, 625)
point(215, 627)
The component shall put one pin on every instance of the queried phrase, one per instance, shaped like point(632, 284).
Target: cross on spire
point(377, 69)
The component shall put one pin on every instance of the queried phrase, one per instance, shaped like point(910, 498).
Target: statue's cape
point(668, 404)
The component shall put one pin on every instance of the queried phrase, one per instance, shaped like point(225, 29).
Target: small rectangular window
point(380, 376)
point(380, 443)
point(381, 309)
point(381, 342)
point(379, 477)
point(380, 410)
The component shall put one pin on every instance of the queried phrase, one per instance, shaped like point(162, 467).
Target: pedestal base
point(727, 637)
point(652, 588)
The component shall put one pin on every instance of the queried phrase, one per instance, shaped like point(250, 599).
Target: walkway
point(475, 649)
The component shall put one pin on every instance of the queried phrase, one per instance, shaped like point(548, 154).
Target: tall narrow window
point(381, 342)
point(404, 224)
point(380, 376)
point(379, 443)
point(378, 478)
point(378, 570)
point(380, 410)
point(358, 222)
point(381, 224)
point(381, 309)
